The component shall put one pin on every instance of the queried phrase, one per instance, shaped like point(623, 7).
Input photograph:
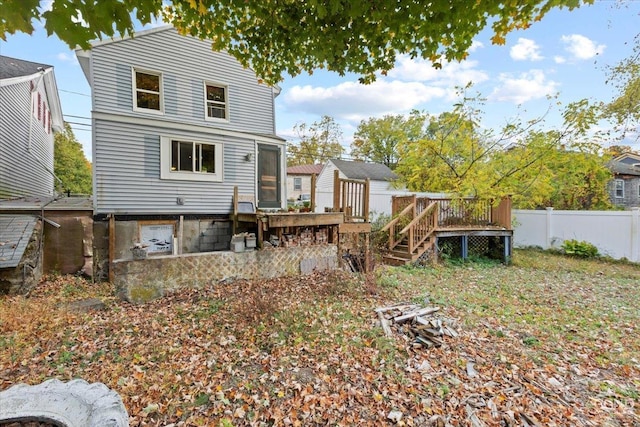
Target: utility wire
point(75, 93)
point(81, 124)
point(77, 117)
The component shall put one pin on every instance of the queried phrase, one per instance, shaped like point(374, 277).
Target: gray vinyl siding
point(185, 63)
point(23, 170)
point(127, 172)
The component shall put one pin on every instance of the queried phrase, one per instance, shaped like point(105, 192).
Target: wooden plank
point(385, 325)
point(304, 219)
point(421, 312)
point(355, 227)
point(399, 306)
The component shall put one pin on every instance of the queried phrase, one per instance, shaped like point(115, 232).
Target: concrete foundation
point(197, 236)
point(139, 281)
point(26, 275)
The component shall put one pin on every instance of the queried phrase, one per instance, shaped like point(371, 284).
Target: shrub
point(580, 249)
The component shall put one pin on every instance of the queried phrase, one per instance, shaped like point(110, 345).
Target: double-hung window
point(619, 183)
point(297, 183)
point(216, 103)
point(147, 91)
point(186, 159)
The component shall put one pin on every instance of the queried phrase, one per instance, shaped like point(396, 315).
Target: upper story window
point(189, 160)
point(619, 188)
point(297, 183)
point(147, 94)
point(216, 103)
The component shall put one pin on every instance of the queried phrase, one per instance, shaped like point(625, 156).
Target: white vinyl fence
point(614, 233)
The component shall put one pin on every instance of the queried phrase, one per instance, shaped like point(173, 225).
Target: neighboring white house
point(299, 179)
point(30, 113)
point(176, 126)
point(383, 185)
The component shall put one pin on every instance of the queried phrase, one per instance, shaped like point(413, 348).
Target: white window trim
point(615, 189)
point(297, 187)
point(226, 104)
point(134, 91)
point(165, 161)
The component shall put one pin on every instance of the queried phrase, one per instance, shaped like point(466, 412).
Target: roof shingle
point(13, 67)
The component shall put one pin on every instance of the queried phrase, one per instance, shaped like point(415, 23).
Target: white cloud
point(66, 57)
point(559, 59)
point(523, 88)
point(581, 47)
point(475, 45)
point(354, 101)
point(451, 73)
point(525, 50)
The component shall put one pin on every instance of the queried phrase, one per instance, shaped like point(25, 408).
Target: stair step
point(394, 260)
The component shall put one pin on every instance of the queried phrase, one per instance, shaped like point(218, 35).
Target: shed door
point(268, 176)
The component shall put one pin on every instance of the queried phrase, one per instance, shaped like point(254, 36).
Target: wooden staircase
point(402, 256)
point(411, 231)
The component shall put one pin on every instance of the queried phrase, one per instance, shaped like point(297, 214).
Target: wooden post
point(336, 190)
point(235, 209)
point(313, 192)
point(112, 246)
point(180, 235)
point(365, 208)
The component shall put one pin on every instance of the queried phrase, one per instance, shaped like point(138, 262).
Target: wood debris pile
point(421, 325)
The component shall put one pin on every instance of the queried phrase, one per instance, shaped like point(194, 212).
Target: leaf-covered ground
point(548, 341)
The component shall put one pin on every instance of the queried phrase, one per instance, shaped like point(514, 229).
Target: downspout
point(45, 167)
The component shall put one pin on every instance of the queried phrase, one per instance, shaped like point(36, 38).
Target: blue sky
point(565, 54)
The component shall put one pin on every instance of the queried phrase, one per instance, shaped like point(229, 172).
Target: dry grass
point(551, 337)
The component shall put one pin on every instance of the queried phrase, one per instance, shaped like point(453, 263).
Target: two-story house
point(30, 113)
point(176, 126)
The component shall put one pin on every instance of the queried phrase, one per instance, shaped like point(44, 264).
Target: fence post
point(549, 228)
point(635, 234)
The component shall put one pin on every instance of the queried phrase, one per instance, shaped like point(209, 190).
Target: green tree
point(377, 139)
point(538, 168)
point(624, 109)
point(70, 163)
point(317, 143)
point(275, 38)
point(543, 172)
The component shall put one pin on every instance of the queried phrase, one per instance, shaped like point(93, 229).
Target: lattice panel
point(479, 246)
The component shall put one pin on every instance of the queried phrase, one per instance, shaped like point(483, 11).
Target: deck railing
point(474, 213)
point(351, 196)
point(414, 224)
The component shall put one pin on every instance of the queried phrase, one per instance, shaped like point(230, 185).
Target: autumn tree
point(624, 109)
point(70, 163)
point(377, 139)
point(561, 168)
point(317, 143)
point(278, 38)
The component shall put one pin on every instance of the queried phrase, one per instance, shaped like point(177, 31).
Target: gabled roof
point(627, 158)
point(13, 67)
point(304, 170)
point(84, 56)
point(362, 170)
point(621, 168)
point(15, 71)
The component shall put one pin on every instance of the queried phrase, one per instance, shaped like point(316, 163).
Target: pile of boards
point(421, 325)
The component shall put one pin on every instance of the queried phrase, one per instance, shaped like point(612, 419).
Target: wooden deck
point(420, 224)
point(349, 218)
